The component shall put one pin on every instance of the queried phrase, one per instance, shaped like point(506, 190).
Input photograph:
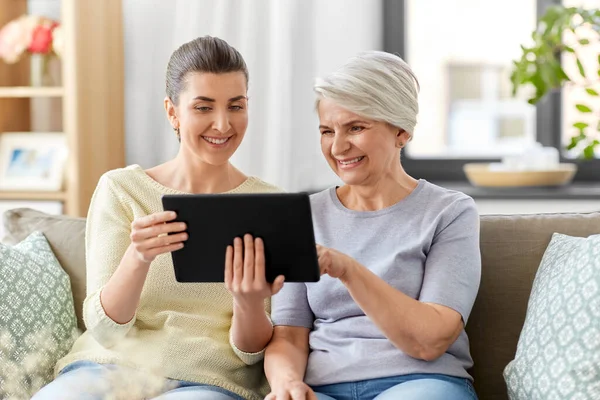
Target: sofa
point(511, 246)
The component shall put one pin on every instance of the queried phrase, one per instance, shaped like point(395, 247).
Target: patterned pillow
point(37, 318)
point(558, 355)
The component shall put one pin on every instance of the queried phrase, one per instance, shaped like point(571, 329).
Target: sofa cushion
point(558, 355)
point(511, 248)
point(37, 317)
point(66, 236)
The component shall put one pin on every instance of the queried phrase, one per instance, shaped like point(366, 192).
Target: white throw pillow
point(558, 354)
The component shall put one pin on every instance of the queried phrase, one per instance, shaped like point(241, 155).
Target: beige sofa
point(511, 246)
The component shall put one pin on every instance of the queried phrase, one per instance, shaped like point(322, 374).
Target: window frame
point(548, 112)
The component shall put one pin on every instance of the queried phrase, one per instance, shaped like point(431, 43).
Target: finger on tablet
point(238, 260)
point(228, 267)
point(248, 258)
point(153, 219)
point(259, 259)
point(277, 285)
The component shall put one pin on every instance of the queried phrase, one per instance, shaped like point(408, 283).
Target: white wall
point(342, 29)
point(313, 37)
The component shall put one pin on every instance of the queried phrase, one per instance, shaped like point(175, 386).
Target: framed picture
point(32, 161)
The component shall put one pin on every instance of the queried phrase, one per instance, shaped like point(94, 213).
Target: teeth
point(357, 159)
point(215, 141)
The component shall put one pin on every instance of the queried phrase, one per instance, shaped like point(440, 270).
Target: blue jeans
point(85, 380)
point(406, 387)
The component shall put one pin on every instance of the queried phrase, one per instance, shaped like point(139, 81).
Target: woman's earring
point(177, 133)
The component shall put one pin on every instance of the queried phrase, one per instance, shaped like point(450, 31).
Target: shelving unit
point(90, 97)
point(6, 195)
point(26, 91)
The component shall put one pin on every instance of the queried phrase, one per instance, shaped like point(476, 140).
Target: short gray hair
point(376, 85)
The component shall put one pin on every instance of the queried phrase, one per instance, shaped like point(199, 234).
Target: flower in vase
point(27, 33)
point(41, 37)
point(58, 40)
point(15, 38)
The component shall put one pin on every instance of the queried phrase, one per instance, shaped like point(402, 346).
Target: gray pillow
point(66, 236)
point(558, 355)
point(37, 318)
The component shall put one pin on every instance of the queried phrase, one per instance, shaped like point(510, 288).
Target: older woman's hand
point(293, 390)
point(335, 263)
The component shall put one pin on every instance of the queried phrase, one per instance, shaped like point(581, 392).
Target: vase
point(41, 74)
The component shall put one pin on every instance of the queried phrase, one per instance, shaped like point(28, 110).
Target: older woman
point(400, 259)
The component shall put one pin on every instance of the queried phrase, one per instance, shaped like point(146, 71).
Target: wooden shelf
point(88, 106)
point(26, 195)
point(25, 91)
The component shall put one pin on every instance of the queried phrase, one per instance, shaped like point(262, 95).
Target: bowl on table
point(487, 175)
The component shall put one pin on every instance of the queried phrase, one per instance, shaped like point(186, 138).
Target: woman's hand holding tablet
point(245, 271)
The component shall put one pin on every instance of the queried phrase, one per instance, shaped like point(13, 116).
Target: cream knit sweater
point(180, 330)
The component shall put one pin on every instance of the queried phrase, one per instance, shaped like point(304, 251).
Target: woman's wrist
point(350, 272)
point(249, 306)
point(134, 262)
point(284, 380)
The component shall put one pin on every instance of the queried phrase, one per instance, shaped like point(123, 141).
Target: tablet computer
point(282, 220)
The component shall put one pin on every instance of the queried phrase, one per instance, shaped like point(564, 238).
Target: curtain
point(286, 44)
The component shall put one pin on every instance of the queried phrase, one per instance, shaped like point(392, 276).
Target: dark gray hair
point(203, 54)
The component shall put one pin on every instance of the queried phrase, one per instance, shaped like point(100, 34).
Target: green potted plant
point(559, 31)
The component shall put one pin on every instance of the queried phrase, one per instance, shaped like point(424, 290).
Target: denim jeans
point(406, 387)
point(85, 380)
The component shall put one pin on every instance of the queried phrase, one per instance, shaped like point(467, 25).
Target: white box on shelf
point(32, 161)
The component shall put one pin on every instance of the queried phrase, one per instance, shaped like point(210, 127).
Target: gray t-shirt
point(426, 246)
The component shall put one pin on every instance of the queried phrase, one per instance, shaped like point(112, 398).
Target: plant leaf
point(540, 87)
point(561, 74)
point(569, 49)
point(583, 108)
point(576, 139)
point(573, 143)
point(581, 125)
point(591, 92)
point(580, 67)
point(547, 73)
point(588, 152)
point(584, 41)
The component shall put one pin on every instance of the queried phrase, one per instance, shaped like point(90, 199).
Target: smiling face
point(212, 115)
point(360, 151)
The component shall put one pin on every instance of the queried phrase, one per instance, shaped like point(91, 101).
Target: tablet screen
point(282, 220)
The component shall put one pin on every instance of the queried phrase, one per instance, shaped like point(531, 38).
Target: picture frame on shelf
point(32, 161)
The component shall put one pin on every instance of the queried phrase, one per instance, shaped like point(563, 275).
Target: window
point(462, 52)
point(573, 95)
point(479, 101)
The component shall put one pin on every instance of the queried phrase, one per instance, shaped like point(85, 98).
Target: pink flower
point(41, 39)
point(15, 38)
point(27, 34)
